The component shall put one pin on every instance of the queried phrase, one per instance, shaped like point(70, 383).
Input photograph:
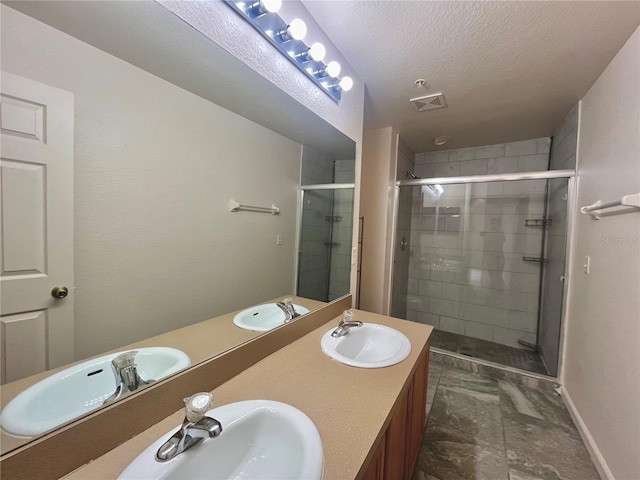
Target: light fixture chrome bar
point(502, 177)
point(289, 47)
point(329, 186)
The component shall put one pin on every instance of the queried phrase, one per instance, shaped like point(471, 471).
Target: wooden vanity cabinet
point(375, 470)
point(397, 454)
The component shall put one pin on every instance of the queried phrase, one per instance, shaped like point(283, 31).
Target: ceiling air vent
point(429, 102)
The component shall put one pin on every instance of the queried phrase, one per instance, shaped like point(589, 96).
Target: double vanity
point(305, 411)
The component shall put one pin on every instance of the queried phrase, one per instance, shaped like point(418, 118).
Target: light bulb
point(333, 69)
point(297, 29)
point(270, 6)
point(346, 83)
point(317, 51)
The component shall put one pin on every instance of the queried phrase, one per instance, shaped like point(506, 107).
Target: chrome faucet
point(126, 371)
point(289, 310)
point(195, 427)
point(346, 324)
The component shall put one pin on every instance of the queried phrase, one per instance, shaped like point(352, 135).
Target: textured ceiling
point(509, 70)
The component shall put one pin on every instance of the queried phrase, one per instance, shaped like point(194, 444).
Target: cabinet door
point(396, 451)
point(417, 415)
point(375, 470)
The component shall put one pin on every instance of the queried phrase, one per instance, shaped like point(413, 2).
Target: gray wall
point(601, 356)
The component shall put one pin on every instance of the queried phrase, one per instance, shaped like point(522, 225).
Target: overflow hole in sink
point(94, 373)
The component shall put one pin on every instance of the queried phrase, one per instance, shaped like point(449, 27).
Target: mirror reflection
point(327, 225)
point(116, 188)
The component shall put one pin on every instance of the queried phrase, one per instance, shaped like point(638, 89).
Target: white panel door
point(36, 240)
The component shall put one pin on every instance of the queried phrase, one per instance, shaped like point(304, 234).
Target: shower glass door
point(477, 257)
point(324, 261)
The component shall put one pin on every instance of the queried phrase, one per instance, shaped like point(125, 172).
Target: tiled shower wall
point(466, 273)
point(565, 143)
point(525, 156)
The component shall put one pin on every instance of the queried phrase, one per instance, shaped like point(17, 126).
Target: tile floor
point(481, 428)
point(521, 358)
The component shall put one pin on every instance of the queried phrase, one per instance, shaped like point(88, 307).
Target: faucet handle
point(197, 405)
point(124, 360)
point(347, 316)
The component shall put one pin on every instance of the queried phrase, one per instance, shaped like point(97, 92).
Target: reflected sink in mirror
point(219, 262)
point(262, 318)
point(78, 390)
point(369, 346)
point(260, 439)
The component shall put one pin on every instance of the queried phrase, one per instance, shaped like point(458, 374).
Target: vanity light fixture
point(296, 30)
point(315, 53)
point(260, 8)
point(288, 39)
point(333, 69)
point(345, 84)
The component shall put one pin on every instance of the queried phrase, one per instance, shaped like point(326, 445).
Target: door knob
point(59, 292)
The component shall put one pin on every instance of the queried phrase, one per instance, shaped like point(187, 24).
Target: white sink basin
point(80, 389)
point(260, 440)
point(369, 346)
point(264, 317)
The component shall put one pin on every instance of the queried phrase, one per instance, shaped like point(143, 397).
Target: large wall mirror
point(159, 128)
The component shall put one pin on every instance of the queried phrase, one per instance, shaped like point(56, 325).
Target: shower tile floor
point(521, 358)
point(480, 428)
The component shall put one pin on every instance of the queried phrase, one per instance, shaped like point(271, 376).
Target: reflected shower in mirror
point(324, 264)
point(156, 257)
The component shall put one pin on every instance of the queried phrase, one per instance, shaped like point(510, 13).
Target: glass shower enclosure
point(326, 225)
point(482, 259)
point(324, 260)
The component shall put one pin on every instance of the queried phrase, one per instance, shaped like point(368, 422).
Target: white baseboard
point(594, 451)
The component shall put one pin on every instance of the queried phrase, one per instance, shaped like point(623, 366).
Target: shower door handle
point(403, 244)
point(535, 259)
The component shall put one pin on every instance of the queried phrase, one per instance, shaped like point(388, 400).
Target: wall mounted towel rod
point(235, 206)
point(595, 210)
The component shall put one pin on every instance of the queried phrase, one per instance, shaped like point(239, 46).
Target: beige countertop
point(350, 406)
point(200, 341)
